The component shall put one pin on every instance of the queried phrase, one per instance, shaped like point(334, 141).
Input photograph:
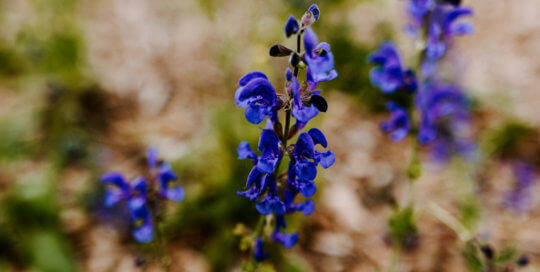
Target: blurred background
point(86, 86)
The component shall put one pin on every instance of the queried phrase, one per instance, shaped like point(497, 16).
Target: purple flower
point(306, 208)
point(445, 121)
point(300, 111)
point(520, 198)
point(167, 179)
point(399, 125)
point(417, 11)
point(303, 167)
point(141, 219)
point(442, 25)
point(319, 59)
point(258, 251)
point(257, 95)
point(287, 240)
point(119, 189)
point(390, 74)
point(291, 27)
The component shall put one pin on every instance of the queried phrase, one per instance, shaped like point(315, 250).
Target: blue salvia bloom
point(288, 240)
point(135, 193)
point(257, 95)
point(274, 192)
point(319, 58)
point(390, 74)
point(520, 198)
point(399, 125)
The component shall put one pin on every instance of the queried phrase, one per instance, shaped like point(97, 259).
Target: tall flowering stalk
point(145, 196)
point(436, 113)
point(275, 192)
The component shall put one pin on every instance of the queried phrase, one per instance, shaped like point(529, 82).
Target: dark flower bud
point(292, 131)
point(294, 60)
point(453, 2)
point(488, 252)
point(319, 102)
point(278, 130)
point(291, 27)
point(311, 15)
point(278, 50)
point(523, 261)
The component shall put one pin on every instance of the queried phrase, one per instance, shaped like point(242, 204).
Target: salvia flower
point(274, 192)
point(520, 198)
point(257, 95)
point(286, 239)
point(319, 58)
point(399, 125)
point(390, 74)
point(161, 184)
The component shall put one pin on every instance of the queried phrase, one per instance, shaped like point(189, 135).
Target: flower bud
point(311, 15)
point(294, 60)
point(279, 50)
point(319, 102)
point(291, 27)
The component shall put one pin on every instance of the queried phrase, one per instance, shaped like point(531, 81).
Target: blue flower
point(117, 188)
point(442, 25)
point(291, 27)
point(300, 111)
point(261, 176)
point(520, 198)
point(445, 121)
point(257, 95)
point(306, 208)
point(141, 219)
point(417, 10)
point(303, 167)
point(319, 59)
point(287, 240)
point(167, 179)
point(390, 75)
point(258, 251)
point(399, 125)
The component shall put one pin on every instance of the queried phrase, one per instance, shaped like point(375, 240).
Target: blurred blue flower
point(417, 10)
point(390, 74)
point(399, 125)
point(257, 95)
point(167, 179)
point(258, 251)
point(520, 198)
point(141, 219)
point(445, 121)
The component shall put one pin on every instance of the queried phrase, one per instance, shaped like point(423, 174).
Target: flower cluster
point(275, 192)
point(142, 194)
point(520, 198)
point(443, 108)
